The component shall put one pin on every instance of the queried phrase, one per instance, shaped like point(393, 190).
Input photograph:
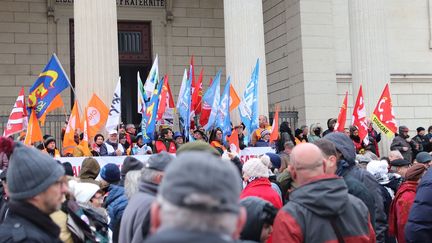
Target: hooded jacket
point(259, 213)
point(89, 171)
point(307, 216)
point(419, 226)
point(312, 136)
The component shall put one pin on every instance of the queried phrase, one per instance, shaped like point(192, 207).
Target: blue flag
point(184, 105)
point(249, 104)
point(223, 117)
point(211, 98)
point(152, 109)
point(49, 84)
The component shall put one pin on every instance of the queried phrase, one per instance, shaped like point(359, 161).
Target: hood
point(259, 212)
point(344, 145)
point(327, 195)
point(313, 127)
point(82, 192)
point(89, 169)
point(148, 187)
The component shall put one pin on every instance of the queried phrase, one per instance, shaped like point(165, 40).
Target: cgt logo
point(93, 116)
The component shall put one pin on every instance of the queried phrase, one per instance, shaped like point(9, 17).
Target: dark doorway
point(135, 54)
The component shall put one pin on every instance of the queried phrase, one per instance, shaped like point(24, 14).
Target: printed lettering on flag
point(115, 109)
point(383, 115)
point(359, 117)
point(97, 115)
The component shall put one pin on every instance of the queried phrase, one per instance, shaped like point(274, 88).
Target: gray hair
point(173, 216)
point(131, 183)
point(150, 175)
point(289, 144)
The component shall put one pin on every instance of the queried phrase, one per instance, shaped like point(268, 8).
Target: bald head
point(307, 161)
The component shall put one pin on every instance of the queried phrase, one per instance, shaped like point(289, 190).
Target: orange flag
point(234, 98)
point(275, 128)
point(96, 114)
point(340, 125)
point(56, 103)
point(233, 141)
point(85, 141)
point(34, 133)
point(383, 115)
point(73, 124)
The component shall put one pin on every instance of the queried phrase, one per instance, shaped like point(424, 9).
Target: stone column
point(244, 44)
point(369, 57)
point(96, 49)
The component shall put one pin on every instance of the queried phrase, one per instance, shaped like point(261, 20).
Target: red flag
point(340, 125)
point(359, 117)
point(383, 115)
point(275, 127)
point(197, 95)
point(192, 72)
point(18, 117)
point(34, 133)
point(205, 111)
point(234, 98)
point(233, 141)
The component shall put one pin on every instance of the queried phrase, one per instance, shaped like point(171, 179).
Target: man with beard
point(37, 186)
point(401, 143)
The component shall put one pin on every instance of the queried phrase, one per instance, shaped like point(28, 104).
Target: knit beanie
point(31, 172)
point(130, 163)
point(257, 167)
point(110, 173)
point(415, 172)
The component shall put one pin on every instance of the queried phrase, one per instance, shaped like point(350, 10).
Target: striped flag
point(18, 118)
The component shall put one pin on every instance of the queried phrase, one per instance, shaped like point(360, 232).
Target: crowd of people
point(317, 186)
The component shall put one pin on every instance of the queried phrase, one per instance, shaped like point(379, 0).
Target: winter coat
point(167, 145)
point(374, 139)
point(262, 143)
point(115, 203)
point(259, 213)
point(312, 137)
point(312, 207)
point(261, 187)
point(398, 143)
point(173, 235)
point(135, 222)
point(111, 149)
point(26, 223)
point(419, 226)
point(399, 209)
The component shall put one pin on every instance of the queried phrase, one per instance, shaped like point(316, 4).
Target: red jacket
point(400, 208)
point(161, 146)
point(261, 187)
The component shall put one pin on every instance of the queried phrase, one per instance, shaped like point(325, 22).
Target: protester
point(400, 143)
point(299, 137)
point(112, 145)
point(358, 143)
point(374, 138)
point(241, 137)
point(428, 148)
point(178, 138)
point(315, 132)
point(98, 144)
point(321, 204)
point(284, 154)
point(50, 147)
point(399, 166)
point(89, 171)
point(4, 196)
point(130, 134)
point(424, 158)
point(140, 148)
point(285, 136)
point(260, 217)
point(135, 223)
point(199, 135)
point(362, 161)
point(68, 169)
point(129, 164)
point(394, 155)
point(402, 202)
point(123, 141)
point(79, 150)
point(131, 183)
point(420, 140)
point(165, 142)
point(255, 175)
point(36, 190)
point(263, 125)
point(216, 140)
point(347, 167)
point(419, 225)
point(331, 123)
point(264, 140)
point(196, 208)
point(110, 175)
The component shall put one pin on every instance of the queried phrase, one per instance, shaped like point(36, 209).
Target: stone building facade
point(307, 50)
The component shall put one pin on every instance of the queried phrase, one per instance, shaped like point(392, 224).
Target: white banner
point(76, 162)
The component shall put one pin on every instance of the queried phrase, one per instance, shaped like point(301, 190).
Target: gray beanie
point(31, 172)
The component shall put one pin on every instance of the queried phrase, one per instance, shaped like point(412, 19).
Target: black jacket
point(26, 223)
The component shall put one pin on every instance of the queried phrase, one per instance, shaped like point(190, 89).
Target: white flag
point(141, 95)
point(115, 109)
point(152, 79)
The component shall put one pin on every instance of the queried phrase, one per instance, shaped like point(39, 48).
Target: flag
point(383, 115)
point(274, 135)
point(152, 108)
point(249, 104)
point(197, 95)
point(223, 116)
point(55, 104)
point(96, 115)
point(49, 84)
point(85, 141)
point(115, 109)
point(18, 117)
point(233, 141)
point(184, 108)
point(73, 124)
point(205, 109)
point(152, 80)
point(165, 99)
point(340, 125)
point(141, 95)
point(235, 99)
point(34, 133)
point(211, 102)
point(359, 117)
point(182, 88)
point(192, 73)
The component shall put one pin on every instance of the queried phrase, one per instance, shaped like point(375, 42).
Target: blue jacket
point(115, 203)
point(419, 225)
